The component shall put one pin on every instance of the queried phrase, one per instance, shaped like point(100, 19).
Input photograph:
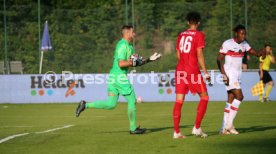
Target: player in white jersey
point(232, 51)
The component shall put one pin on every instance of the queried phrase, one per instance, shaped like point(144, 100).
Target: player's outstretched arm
point(153, 57)
point(139, 61)
point(257, 54)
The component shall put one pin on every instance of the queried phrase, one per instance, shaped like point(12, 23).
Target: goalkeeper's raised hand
point(138, 60)
point(154, 57)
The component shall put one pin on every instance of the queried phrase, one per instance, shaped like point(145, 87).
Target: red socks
point(177, 115)
point(201, 109)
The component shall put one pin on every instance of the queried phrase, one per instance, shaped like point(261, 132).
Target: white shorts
point(234, 79)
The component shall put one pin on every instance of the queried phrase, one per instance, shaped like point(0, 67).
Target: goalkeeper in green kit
point(118, 83)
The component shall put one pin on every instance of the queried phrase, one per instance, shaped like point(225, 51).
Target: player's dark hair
point(267, 44)
point(127, 27)
point(238, 28)
point(193, 17)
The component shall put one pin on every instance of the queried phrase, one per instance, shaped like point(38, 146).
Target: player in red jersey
point(189, 50)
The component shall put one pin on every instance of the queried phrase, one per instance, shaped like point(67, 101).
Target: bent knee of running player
point(112, 101)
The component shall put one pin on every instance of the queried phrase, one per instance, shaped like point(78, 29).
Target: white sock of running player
point(233, 112)
point(225, 115)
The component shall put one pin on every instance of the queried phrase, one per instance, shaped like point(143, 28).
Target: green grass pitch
point(102, 131)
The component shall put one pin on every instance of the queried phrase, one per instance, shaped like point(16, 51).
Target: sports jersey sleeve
point(201, 42)
point(247, 47)
point(121, 52)
point(261, 59)
point(224, 48)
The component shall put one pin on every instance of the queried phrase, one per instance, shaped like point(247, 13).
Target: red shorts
point(193, 82)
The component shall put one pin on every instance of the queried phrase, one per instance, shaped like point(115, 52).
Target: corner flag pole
point(39, 43)
point(40, 64)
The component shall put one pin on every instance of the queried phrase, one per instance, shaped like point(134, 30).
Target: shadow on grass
point(149, 130)
point(159, 129)
point(152, 130)
point(255, 129)
point(247, 130)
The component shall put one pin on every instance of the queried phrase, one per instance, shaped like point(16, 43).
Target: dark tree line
point(84, 33)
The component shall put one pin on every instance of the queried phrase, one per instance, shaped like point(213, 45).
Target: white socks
point(225, 115)
point(233, 112)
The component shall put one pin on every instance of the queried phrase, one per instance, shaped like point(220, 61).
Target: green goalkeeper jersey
point(123, 51)
point(118, 81)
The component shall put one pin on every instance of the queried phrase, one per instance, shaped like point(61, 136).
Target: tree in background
point(83, 33)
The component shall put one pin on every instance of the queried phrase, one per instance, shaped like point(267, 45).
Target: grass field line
point(12, 137)
point(54, 129)
point(42, 132)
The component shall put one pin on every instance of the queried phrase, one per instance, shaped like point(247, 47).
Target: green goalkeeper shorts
point(119, 84)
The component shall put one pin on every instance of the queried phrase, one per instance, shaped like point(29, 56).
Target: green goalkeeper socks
point(111, 104)
point(131, 110)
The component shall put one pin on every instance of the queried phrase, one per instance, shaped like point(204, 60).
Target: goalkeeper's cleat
point(138, 130)
point(199, 132)
point(80, 108)
point(178, 135)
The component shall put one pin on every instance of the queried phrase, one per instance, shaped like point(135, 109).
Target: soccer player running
point(265, 62)
point(189, 50)
point(118, 82)
point(232, 52)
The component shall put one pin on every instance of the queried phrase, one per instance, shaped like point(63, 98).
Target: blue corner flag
point(46, 42)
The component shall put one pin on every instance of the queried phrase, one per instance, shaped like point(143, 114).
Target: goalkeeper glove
point(154, 57)
point(137, 60)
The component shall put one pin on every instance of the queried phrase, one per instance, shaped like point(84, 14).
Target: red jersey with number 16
point(187, 44)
